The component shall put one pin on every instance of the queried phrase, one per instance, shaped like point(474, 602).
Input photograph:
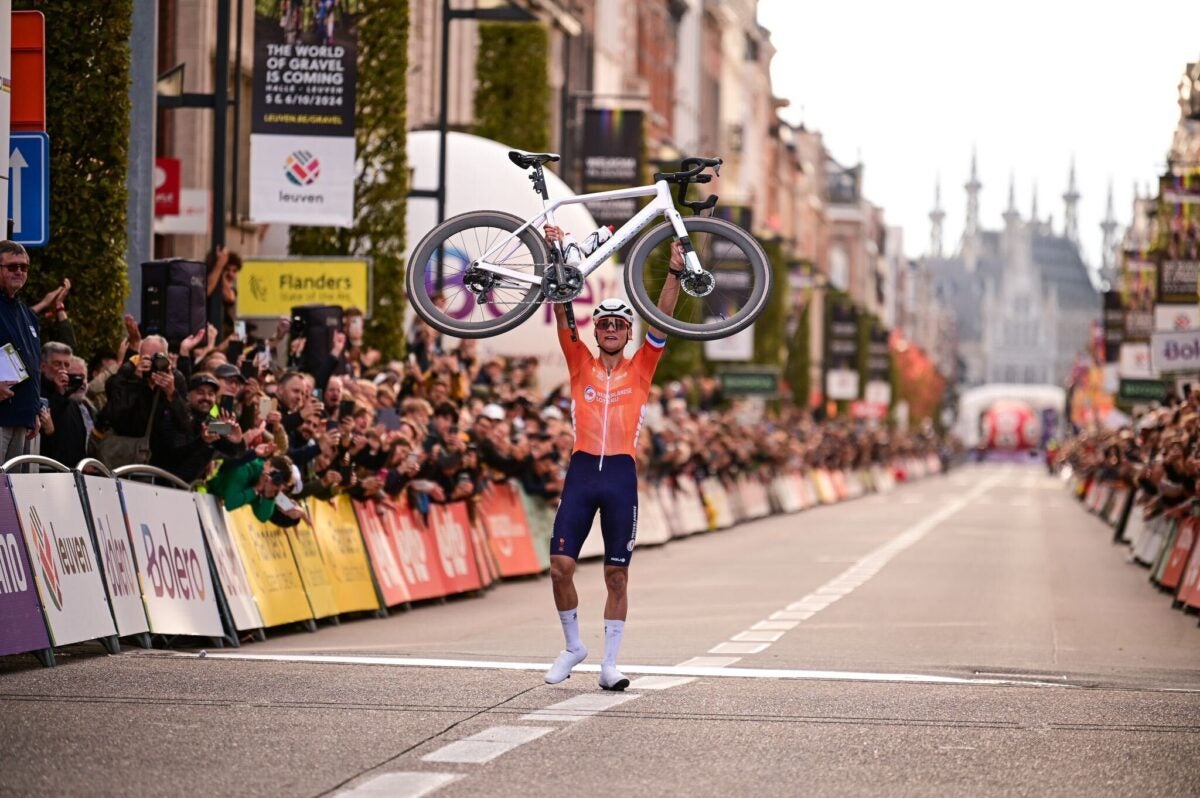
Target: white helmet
point(613, 307)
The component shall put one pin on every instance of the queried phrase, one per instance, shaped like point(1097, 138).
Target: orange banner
point(455, 554)
point(1185, 539)
point(415, 549)
point(384, 561)
point(503, 517)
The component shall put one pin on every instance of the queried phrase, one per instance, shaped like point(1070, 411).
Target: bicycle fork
point(691, 261)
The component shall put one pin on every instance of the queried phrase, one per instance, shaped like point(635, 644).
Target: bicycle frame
point(660, 205)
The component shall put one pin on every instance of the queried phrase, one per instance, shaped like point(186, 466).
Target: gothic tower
point(936, 217)
point(1109, 228)
point(1071, 208)
point(970, 242)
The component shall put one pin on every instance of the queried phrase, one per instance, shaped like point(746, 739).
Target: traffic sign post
point(29, 188)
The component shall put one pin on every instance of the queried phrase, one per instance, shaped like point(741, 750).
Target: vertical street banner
point(171, 560)
point(112, 541)
point(612, 159)
point(302, 155)
point(65, 568)
point(22, 627)
point(1139, 294)
point(841, 349)
point(1114, 325)
point(341, 545)
point(236, 586)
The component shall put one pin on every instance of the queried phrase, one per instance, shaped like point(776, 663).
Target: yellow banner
point(270, 288)
point(341, 543)
point(270, 568)
point(312, 570)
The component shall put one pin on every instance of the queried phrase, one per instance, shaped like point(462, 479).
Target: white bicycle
point(484, 272)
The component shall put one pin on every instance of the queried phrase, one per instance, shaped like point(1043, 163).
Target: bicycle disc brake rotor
point(566, 290)
point(698, 284)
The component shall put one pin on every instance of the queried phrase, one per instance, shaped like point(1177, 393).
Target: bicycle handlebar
point(692, 167)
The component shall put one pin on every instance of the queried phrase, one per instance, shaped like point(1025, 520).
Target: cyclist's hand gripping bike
point(485, 272)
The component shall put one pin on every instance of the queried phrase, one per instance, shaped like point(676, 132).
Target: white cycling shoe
point(561, 669)
point(612, 679)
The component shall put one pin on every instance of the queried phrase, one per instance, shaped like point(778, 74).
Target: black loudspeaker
point(315, 324)
point(173, 298)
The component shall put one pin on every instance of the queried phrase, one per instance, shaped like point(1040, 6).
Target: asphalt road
point(974, 634)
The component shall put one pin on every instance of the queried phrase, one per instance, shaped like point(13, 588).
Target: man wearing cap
point(186, 449)
point(609, 393)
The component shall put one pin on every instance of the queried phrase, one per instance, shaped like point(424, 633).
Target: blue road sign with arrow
point(29, 188)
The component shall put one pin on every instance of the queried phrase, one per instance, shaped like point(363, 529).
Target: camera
point(160, 362)
point(74, 383)
point(278, 477)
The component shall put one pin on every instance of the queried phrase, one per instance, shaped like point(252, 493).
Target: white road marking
point(756, 637)
point(580, 707)
point(659, 682)
point(487, 745)
point(402, 785)
point(708, 662)
point(739, 648)
point(767, 626)
point(788, 615)
point(645, 670)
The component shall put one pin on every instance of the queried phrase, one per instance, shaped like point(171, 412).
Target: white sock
point(612, 641)
point(570, 625)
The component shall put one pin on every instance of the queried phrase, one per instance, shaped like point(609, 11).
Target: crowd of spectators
point(1158, 454)
point(238, 415)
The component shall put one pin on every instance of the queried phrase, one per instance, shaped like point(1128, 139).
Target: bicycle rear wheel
point(469, 303)
point(741, 279)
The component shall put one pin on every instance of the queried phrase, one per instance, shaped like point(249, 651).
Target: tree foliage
point(512, 93)
point(87, 119)
point(770, 331)
point(381, 187)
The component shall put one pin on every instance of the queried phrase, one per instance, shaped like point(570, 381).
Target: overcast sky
point(911, 86)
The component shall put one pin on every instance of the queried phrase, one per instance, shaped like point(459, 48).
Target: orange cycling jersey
point(607, 408)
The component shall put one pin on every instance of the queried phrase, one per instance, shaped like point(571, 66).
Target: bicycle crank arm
point(570, 311)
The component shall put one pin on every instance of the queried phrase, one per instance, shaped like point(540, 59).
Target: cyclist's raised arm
point(553, 235)
point(670, 289)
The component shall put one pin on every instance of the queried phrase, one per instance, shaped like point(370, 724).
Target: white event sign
point(1175, 351)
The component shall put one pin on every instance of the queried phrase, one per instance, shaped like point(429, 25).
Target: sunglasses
point(17, 267)
point(612, 324)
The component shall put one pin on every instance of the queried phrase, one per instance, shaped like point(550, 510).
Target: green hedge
point(512, 92)
point(770, 333)
point(87, 119)
point(381, 189)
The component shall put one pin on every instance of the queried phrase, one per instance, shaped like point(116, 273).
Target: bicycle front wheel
point(458, 300)
point(731, 301)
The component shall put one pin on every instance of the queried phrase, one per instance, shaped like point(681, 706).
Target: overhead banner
point(302, 148)
point(271, 288)
point(119, 569)
point(270, 567)
point(236, 586)
point(508, 534)
point(612, 159)
point(64, 562)
point(342, 548)
point(22, 627)
point(171, 559)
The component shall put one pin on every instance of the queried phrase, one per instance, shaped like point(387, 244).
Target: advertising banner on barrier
point(313, 571)
point(451, 529)
point(22, 627)
point(171, 560)
point(112, 539)
point(415, 549)
point(384, 561)
point(64, 562)
point(508, 534)
point(270, 567)
point(341, 545)
point(652, 527)
point(1181, 552)
point(541, 527)
point(234, 583)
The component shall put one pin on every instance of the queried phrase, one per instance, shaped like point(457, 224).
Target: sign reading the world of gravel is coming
point(302, 129)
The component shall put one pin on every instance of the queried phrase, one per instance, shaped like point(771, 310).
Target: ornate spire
point(1011, 215)
point(1109, 228)
point(1071, 210)
point(970, 243)
point(1033, 211)
point(936, 217)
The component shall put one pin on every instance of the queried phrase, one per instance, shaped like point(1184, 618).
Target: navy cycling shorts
point(610, 487)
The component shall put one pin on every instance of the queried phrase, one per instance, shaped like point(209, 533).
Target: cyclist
point(608, 398)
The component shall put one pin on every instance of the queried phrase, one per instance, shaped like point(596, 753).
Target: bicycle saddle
point(528, 159)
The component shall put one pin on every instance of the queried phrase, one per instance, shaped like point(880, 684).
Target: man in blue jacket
point(19, 402)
